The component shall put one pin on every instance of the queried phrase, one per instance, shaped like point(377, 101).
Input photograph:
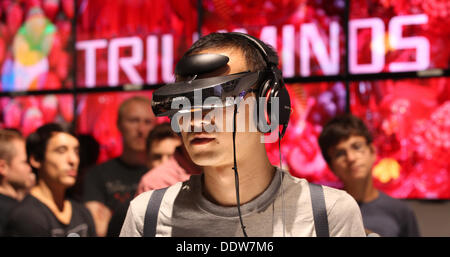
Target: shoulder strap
point(151, 215)
point(319, 210)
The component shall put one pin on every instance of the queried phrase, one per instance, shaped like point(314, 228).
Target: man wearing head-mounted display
point(239, 193)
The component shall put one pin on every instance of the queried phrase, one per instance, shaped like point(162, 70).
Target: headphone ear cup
point(262, 116)
point(284, 106)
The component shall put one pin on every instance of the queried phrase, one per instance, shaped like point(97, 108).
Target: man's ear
point(35, 163)
point(3, 168)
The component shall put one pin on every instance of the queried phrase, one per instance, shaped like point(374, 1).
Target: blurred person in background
point(165, 170)
point(53, 153)
point(347, 146)
point(16, 178)
point(109, 185)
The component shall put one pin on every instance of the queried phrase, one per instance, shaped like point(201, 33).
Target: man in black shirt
point(53, 154)
point(15, 173)
point(347, 146)
point(113, 183)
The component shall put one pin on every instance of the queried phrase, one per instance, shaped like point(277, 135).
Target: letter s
point(419, 43)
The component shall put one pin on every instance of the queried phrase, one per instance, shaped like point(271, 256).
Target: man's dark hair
point(158, 133)
point(255, 61)
point(37, 141)
point(341, 128)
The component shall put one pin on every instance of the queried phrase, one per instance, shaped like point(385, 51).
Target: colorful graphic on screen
point(398, 36)
point(308, 35)
point(410, 122)
point(35, 45)
point(313, 105)
point(132, 42)
point(97, 116)
point(27, 113)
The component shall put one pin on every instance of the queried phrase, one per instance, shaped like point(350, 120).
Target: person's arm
point(101, 215)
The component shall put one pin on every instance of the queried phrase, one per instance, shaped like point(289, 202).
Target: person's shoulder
point(7, 202)
point(394, 204)
point(331, 194)
point(294, 181)
point(28, 208)
point(338, 201)
point(336, 194)
point(140, 202)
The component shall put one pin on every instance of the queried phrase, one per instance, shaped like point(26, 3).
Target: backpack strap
point(319, 210)
point(151, 215)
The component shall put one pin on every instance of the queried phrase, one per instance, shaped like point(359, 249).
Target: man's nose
point(73, 158)
point(351, 156)
point(143, 127)
point(199, 120)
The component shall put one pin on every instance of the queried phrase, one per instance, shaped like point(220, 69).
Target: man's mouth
point(72, 173)
point(201, 139)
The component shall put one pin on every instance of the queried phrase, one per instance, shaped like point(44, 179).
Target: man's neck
point(254, 177)
point(134, 158)
point(363, 191)
point(50, 195)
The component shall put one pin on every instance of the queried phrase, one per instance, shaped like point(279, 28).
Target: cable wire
point(236, 176)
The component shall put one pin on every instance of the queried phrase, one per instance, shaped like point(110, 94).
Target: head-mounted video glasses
point(206, 93)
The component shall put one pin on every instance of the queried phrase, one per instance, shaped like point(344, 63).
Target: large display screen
point(410, 122)
point(137, 42)
point(120, 43)
point(398, 36)
point(27, 113)
point(308, 35)
point(36, 45)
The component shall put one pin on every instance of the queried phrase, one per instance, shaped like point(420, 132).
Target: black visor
point(204, 93)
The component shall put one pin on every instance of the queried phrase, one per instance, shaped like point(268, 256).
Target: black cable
point(281, 182)
point(236, 176)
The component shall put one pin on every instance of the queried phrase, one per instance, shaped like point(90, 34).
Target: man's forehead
point(137, 108)
point(63, 139)
point(350, 140)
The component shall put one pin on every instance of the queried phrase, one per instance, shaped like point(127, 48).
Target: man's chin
point(137, 148)
point(204, 159)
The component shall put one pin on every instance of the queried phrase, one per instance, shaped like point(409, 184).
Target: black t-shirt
point(389, 217)
point(6, 205)
point(31, 217)
point(112, 183)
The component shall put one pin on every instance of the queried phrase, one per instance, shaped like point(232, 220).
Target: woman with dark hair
point(53, 155)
